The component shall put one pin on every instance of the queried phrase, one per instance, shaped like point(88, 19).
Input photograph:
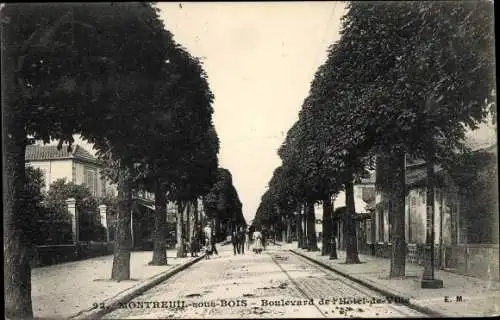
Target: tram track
point(344, 296)
point(273, 258)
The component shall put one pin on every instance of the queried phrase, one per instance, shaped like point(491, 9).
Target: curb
point(113, 303)
point(375, 287)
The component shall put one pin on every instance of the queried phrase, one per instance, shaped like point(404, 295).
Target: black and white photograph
point(249, 160)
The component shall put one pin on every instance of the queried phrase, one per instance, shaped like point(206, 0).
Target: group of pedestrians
point(210, 241)
point(203, 240)
point(240, 238)
point(195, 245)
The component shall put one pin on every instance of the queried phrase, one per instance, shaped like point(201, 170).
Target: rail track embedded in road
point(329, 283)
point(274, 258)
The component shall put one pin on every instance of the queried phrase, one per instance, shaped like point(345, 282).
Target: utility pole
point(428, 279)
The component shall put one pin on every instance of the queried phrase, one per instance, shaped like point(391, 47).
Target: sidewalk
point(479, 297)
point(63, 290)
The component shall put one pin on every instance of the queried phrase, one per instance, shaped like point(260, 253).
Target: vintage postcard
point(216, 160)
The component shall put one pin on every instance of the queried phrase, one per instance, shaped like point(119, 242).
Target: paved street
point(478, 297)
point(252, 285)
point(63, 290)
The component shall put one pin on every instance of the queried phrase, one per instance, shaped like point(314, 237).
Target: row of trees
point(222, 208)
point(111, 73)
point(405, 79)
point(222, 204)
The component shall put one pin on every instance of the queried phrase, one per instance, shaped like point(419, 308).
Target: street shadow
point(406, 277)
point(111, 280)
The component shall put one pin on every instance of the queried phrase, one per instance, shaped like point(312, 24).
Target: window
point(369, 230)
point(103, 187)
point(368, 194)
point(380, 224)
point(73, 172)
point(96, 184)
point(91, 181)
point(412, 220)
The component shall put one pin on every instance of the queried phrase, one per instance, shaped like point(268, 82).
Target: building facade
point(76, 165)
point(81, 167)
point(456, 224)
point(364, 201)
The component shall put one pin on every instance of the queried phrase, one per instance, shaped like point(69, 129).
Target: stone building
point(76, 165)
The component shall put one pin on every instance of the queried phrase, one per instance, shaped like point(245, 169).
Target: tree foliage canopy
point(223, 201)
point(403, 76)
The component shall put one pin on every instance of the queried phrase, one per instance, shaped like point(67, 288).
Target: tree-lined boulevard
point(113, 74)
point(405, 82)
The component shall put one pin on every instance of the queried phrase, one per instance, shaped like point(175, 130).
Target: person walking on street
point(234, 240)
point(214, 248)
point(195, 245)
point(201, 239)
point(257, 237)
point(208, 241)
point(264, 239)
point(247, 239)
point(241, 241)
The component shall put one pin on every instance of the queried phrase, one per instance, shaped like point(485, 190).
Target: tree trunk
point(327, 227)
point(199, 214)
point(181, 253)
point(333, 245)
point(194, 223)
point(304, 228)
point(349, 226)
point(187, 225)
point(160, 245)
point(300, 231)
point(123, 240)
point(217, 227)
point(288, 230)
point(283, 228)
point(312, 243)
point(397, 198)
point(17, 243)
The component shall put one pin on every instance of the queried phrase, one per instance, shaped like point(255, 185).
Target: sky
point(260, 59)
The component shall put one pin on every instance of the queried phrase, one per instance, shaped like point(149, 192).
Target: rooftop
point(50, 152)
point(417, 171)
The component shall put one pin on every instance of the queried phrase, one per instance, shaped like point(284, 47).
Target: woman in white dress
point(257, 246)
point(247, 240)
point(208, 241)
